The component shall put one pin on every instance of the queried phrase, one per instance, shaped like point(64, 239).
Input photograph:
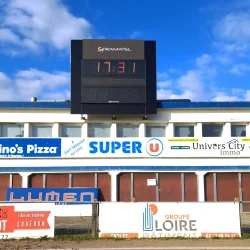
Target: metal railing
point(72, 225)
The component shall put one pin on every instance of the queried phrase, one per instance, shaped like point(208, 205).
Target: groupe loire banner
point(26, 220)
point(124, 147)
point(155, 220)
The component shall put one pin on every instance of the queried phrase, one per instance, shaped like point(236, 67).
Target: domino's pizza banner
point(124, 147)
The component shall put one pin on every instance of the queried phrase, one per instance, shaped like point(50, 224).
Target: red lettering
point(154, 147)
point(87, 193)
point(35, 200)
point(70, 197)
point(16, 200)
point(52, 195)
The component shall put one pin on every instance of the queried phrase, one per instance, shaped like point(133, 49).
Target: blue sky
point(202, 45)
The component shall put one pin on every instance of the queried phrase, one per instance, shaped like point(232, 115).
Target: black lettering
point(192, 224)
point(183, 224)
point(170, 223)
point(156, 226)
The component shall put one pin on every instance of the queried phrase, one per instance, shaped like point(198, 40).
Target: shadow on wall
point(100, 195)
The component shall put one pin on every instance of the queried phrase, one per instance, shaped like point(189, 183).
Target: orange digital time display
point(95, 67)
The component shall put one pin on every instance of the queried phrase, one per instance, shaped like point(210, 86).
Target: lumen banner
point(124, 147)
point(156, 220)
point(61, 196)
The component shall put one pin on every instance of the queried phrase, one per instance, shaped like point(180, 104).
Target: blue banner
point(30, 147)
point(57, 195)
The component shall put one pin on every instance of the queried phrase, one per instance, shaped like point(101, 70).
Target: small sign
point(151, 182)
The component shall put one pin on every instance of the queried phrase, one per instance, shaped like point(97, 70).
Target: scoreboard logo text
point(100, 49)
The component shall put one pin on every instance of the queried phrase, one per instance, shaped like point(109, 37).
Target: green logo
point(180, 147)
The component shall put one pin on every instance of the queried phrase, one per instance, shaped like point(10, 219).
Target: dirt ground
point(110, 243)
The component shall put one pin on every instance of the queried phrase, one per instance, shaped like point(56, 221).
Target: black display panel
point(99, 67)
point(113, 95)
point(114, 81)
point(118, 86)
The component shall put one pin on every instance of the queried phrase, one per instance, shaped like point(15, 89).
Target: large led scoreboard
point(113, 77)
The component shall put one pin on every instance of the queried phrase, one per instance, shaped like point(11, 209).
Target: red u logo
point(154, 147)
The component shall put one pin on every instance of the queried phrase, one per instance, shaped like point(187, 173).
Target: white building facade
point(188, 151)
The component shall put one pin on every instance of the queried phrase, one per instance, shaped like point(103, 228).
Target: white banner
point(154, 220)
point(26, 220)
point(154, 147)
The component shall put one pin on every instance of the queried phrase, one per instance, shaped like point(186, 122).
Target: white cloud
point(7, 35)
point(222, 59)
point(29, 83)
point(191, 81)
point(233, 33)
point(234, 27)
point(164, 94)
point(48, 80)
point(237, 91)
point(135, 34)
point(42, 22)
point(203, 60)
point(247, 95)
point(240, 69)
point(232, 39)
point(174, 71)
point(162, 76)
point(223, 97)
point(164, 84)
point(188, 86)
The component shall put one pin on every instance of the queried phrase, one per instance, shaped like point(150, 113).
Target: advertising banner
point(61, 196)
point(124, 147)
point(155, 220)
point(30, 147)
point(26, 220)
point(155, 147)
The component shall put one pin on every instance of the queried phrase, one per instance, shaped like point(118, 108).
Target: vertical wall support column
point(11, 181)
point(198, 130)
point(170, 130)
point(70, 180)
point(55, 130)
point(215, 187)
point(201, 185)
point(26, 130)
point(182, 187)
point(25, 179)
point(132, 186)
point(157, 187)
point(85, 130)
point(227, 130)
point(114, 185)
point(248, 130)
point(96, 180)
point(240, 192)
point(142, 131)
point(113, 130)
point(44, 180)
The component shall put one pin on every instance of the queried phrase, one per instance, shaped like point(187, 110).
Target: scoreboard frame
point(113, 77)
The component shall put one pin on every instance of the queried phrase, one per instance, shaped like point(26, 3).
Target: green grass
point(84, 237)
